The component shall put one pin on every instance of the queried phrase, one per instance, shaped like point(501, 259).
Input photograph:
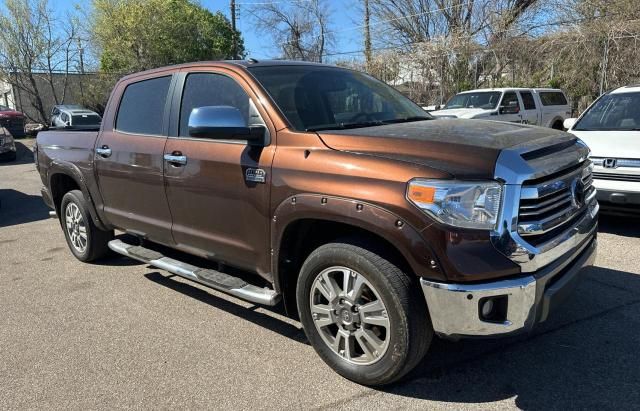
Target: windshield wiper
point(345, 126)
point(407, 119)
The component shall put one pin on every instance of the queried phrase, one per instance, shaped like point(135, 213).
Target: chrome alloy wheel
point(76, 227)
point(350, 315)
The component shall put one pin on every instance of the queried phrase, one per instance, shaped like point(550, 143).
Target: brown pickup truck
point(375, 225)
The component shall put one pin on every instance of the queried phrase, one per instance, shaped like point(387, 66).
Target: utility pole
point(475, 76)
point(81, 54)
point(605, 59)
point(233, 27)
point(367, 35)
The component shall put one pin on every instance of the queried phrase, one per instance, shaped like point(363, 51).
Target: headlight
point(467, 204)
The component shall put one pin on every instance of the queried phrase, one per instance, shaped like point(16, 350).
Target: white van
point(545, 107)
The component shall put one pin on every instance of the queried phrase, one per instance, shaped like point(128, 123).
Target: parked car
point(377, 226)
point(12, 121)
point(535, 106)
point(7, 146)
point(431, 108)
point(74, 116)
point(611, 128)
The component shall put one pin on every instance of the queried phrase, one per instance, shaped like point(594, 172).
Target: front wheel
point(362, 314)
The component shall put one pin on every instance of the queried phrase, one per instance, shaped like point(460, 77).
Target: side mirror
point(223, 123)
point(569, 123)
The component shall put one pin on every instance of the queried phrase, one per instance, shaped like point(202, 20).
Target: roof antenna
point(252, 60)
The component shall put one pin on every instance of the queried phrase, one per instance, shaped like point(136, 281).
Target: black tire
point(410, 329)
point(96, 239)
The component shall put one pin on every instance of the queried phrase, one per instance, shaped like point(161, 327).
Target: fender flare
point(375, 219)
point(71, 170)
point(553, 121)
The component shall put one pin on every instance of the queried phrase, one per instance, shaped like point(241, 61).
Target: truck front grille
point(549, 205)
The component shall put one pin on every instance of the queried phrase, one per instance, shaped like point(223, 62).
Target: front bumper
point(620, 193)
point(455, 309)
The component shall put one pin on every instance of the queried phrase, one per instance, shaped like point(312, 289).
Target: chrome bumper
point(455, 308)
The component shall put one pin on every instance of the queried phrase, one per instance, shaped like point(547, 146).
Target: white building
point(6, 95)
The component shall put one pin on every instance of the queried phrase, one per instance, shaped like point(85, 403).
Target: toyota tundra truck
point(327, 191)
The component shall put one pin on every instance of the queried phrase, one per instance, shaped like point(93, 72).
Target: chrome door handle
point(103, 151)
point(175, 160)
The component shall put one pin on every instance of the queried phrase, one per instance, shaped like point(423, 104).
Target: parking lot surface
point(120, 334)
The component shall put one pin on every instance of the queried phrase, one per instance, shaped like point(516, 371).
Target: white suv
point(545, 107)
point(611, 128)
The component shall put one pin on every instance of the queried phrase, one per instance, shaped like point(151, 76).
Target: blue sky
point(346, 15)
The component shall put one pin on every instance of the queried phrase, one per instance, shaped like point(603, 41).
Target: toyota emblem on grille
point(577, 193)
point(610, 163)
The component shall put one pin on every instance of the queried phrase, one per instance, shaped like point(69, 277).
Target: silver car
point(74, 116)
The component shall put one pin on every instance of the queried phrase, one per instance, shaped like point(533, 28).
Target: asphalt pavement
point(120, 334)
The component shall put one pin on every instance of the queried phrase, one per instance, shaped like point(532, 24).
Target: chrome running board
point(211, 278)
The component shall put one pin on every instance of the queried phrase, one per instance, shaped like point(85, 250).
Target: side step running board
point(211, 278)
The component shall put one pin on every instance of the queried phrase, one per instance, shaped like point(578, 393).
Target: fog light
point(493, 309)
point(487, 308)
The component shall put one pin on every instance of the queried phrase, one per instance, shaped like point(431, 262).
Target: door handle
point(175, 159)
point(103, 151)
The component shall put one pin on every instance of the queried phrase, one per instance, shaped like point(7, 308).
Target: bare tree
point(33, 47)
point(301, 30)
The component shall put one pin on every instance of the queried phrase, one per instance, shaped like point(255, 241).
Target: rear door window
point(142, 106)
point(510, 99)
point(553, 98)
point(527, 100)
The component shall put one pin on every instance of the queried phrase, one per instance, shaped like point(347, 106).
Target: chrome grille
point(549, 205)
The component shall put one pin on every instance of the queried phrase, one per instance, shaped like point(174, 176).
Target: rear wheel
point(86, 241)
point(362, 314)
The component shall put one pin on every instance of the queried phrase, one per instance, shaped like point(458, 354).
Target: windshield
point(487, 100)
point(614, 112)
point(4, 108)
point(321, 98)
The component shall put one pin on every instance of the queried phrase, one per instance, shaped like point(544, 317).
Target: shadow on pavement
point(586, 356)
point(264, 320)
point(627, 226)
point(19, 208)
point(24, 155)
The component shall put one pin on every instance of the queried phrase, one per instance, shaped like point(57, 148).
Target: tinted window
point(142, 106)
point(484, 99)
point(316, 98)
point(510, 100)
point(612, 112)
point(553, 98)
point(527, 100)
point(86, 120)
point(208, 89)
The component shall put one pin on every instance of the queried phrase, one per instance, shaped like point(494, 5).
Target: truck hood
point(614, 144)
point(460, 112)
point(461, 148)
